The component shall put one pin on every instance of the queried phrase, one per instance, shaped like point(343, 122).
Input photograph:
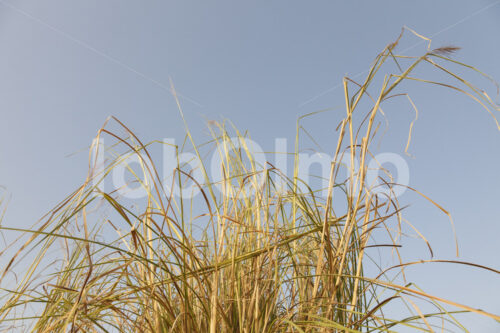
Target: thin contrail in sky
point(96, 51)
point(466, 18)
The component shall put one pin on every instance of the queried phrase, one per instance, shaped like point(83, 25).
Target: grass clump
point(256, 251)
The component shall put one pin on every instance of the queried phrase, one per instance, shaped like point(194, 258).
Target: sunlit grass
point(266, 253)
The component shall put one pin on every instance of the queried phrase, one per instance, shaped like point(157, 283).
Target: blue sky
point(66, 66)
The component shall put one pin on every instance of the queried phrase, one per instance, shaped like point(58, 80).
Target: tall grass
point(266, 253)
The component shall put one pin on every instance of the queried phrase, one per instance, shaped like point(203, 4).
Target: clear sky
point(66, 66)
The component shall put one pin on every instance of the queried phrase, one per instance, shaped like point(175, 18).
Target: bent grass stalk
point(264, 254)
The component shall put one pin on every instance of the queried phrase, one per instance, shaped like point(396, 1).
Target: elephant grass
point(265, 253)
